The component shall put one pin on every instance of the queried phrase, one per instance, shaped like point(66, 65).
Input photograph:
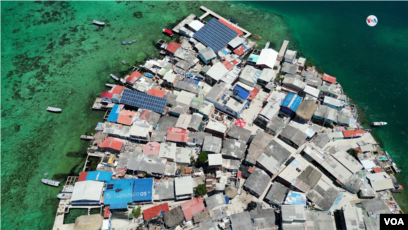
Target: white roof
point(217, 71)
point(301, 61)
point(268, 75)
point(184, 185)
point(291, 54)
point(183, 155)
point(200, 46)
point(140, 130)
point(380, 181)
point(219, 127)
point(214, 159)
point(276, 97)
point(183, 121)
point(170, 77)
point(332, 101)
point(348, 161)
point(87, 190)
point(168, 150)
point(267, 57)
point(368, 164)
point(270, 110)
point(290, 173)
point(311, 91)
point(196, 25)
point(234, 105)
point(185, 97)
point(236, 42)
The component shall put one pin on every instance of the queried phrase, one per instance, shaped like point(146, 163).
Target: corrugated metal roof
point(292, 101)
point(143, 189)
point(155, 211)
point(192, 207)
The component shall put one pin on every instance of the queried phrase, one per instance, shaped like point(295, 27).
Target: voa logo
point(393, 221)
point(372, 20)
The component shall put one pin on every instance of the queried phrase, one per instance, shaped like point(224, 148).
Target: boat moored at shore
point(50, 182)
point(99, 23)
point(114, 77)
point(53, 109)
point(380, 123)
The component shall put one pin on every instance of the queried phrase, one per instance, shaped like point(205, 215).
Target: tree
point(137, 211)
point(309, 64)
point(353, 152)
point(279, 78)
point(201, 190)
point(192, 160)
point(202, 158)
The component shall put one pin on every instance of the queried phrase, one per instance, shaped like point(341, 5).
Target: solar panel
point(142, 100)
point(215, 35)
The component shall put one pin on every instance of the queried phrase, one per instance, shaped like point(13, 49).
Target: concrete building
point(267, 58)
point(215, 161)
point(333, 103)
point(168, 151)
point(275, 125)
point(293, 216)
point(207, 55)
point(212, 144)
point(264, 219)
point(276, 194)
point(290, 56)
point(183, 188)
point(326, 114)
point(257, 182)
point(352, 218)
point(241, 221)
point(215, 73)
point(293, 83)
point(232, 148)
point(268, 75)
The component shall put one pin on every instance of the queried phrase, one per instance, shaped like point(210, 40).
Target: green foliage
point(353, 152)
point(192, 160)
point(309, 64)
point(279, 78)
point(137, 211)
point(202, 158)
point(201, 190)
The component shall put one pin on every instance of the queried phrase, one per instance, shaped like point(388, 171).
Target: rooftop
point(234, 148)
point(241, 221)
point(184, 185)
point(214, 159)
point(277, 193)
point(192, 207)
point(257, 181)
point(212, 144)
point(239, 133)
point(293, 213)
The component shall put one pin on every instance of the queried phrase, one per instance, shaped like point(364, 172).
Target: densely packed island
point(221, 134)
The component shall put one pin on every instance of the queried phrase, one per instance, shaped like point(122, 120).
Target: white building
point(290, 56)
point(87, 193)
point(183, 188)
point(267, 58)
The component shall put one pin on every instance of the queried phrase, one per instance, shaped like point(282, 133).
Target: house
point(188, 86)
point(252, 59)
point(290, 104)
point(231, 165)
point(95, 175)
point(343, 118)
point(215, 73)
point(241, 221)
point(353, 133)
point(132, 78)
point(216, 128)
point(140, 132)
point(172, 47)
point(207, 55)
point(290, 56)
point(367, 192)
point(301, 64)
point(292, 216)
point(289, 69)
point(195, 25)
point(87, 193)
point(326, 114)
point(273, 157)
point(376, 206)
point(183, 121)
point(196, 138)
point(311, 79)
point(239, 133)
point(232, 148)
point(380, 181)
point(170, 169)
point(348, 161)
point(275, 125)
point(192, 207)
point(249, 75)
point(307, 179)
point(321, 140)
point(118, 193)
point(155, 211)
point(267, 58)
point(352, 218)
point(215, 201)
point(292, 171)
point(140, 163)
point(316, 221)
point(333, 103)
point(163, 190)
point(111, 144)
point(201, 106)
point(174, 217)
point(265, 219)
point(293, 83)
point(156, 92)
point(152, 148)
point(143, 191)
point(276, 194)
point(240, 94)
point(215, 161)
point(311, 92)
point(267, 75)
point(270, 111)
point(212, 144)
point(257, 182)
point(183, 156)
point(183, 187)
point(177, 135)
point(293, 136)
point(327, 91)
point(305, 111)
point(168, 151)
point(195, 123)
point(237, 41)
point(220, 96)
point(169, 80)
point(329, 79)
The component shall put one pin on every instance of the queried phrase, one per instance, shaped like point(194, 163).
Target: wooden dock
point(85, 137)
point(213, 14)
point(282, 50)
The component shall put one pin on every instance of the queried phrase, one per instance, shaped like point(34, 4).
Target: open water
point(52, 55)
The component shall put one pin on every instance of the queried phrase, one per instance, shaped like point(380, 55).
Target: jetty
point(85, 137)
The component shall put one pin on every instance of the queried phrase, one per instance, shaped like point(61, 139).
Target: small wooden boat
point(54, 110)
point(168, 32)
point(110, 85)
point(51, 182)
point(98, 23)
point(380, 123)
point(64, 196)
point(233, 21)
point(114, 77)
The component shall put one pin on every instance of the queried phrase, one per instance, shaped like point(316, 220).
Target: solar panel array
point(142, 100)
point(215, 35)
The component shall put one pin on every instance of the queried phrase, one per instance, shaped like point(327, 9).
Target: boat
point(393, 165)
point(110, 85)
point(64, 196)
point(114, 77)
point(51, 182)
point(124, 43)
point(168, 32)
point(148, 75)
point(233, 21)
point(53, 109)
point(98, 23)
point(380, 123)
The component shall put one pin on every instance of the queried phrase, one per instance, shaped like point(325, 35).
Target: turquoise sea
point(53, 56)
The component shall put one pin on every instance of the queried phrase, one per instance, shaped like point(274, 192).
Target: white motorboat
point(53, 109)
point(98, 23)
point(114, 77)
point(51, 182)
point(64, 196)
point(380, 123)
point(110, 85)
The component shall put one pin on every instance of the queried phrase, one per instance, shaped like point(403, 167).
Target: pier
point(282, 50)
point(85, 137)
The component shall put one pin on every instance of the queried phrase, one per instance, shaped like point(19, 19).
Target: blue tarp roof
point(226, 199)
point(113, 116)
point(99, 175)
point(292, 101)
point(118, 193)
point(242, 93)
point(143, 189)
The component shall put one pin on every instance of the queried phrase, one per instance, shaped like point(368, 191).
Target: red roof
point(253, 94)
point(155, 211)
point(125, 117)
point(239, 174)
point(117, 89)
point(377, 169)
point(188, 170)
point(192, 207)
point(353, 133)
point(107, 212)
point(151, 148)
point(231, 27)
point(133, 77)
point(112, 143)
point(107, 94)
point(329, 78)
point(240, 50)
point(235, 62)
point(82, 176)
point(156, 92)
point(145, 114)
point(172, 47)
point(176, 134)
point(251, 169)
point(228, 65)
